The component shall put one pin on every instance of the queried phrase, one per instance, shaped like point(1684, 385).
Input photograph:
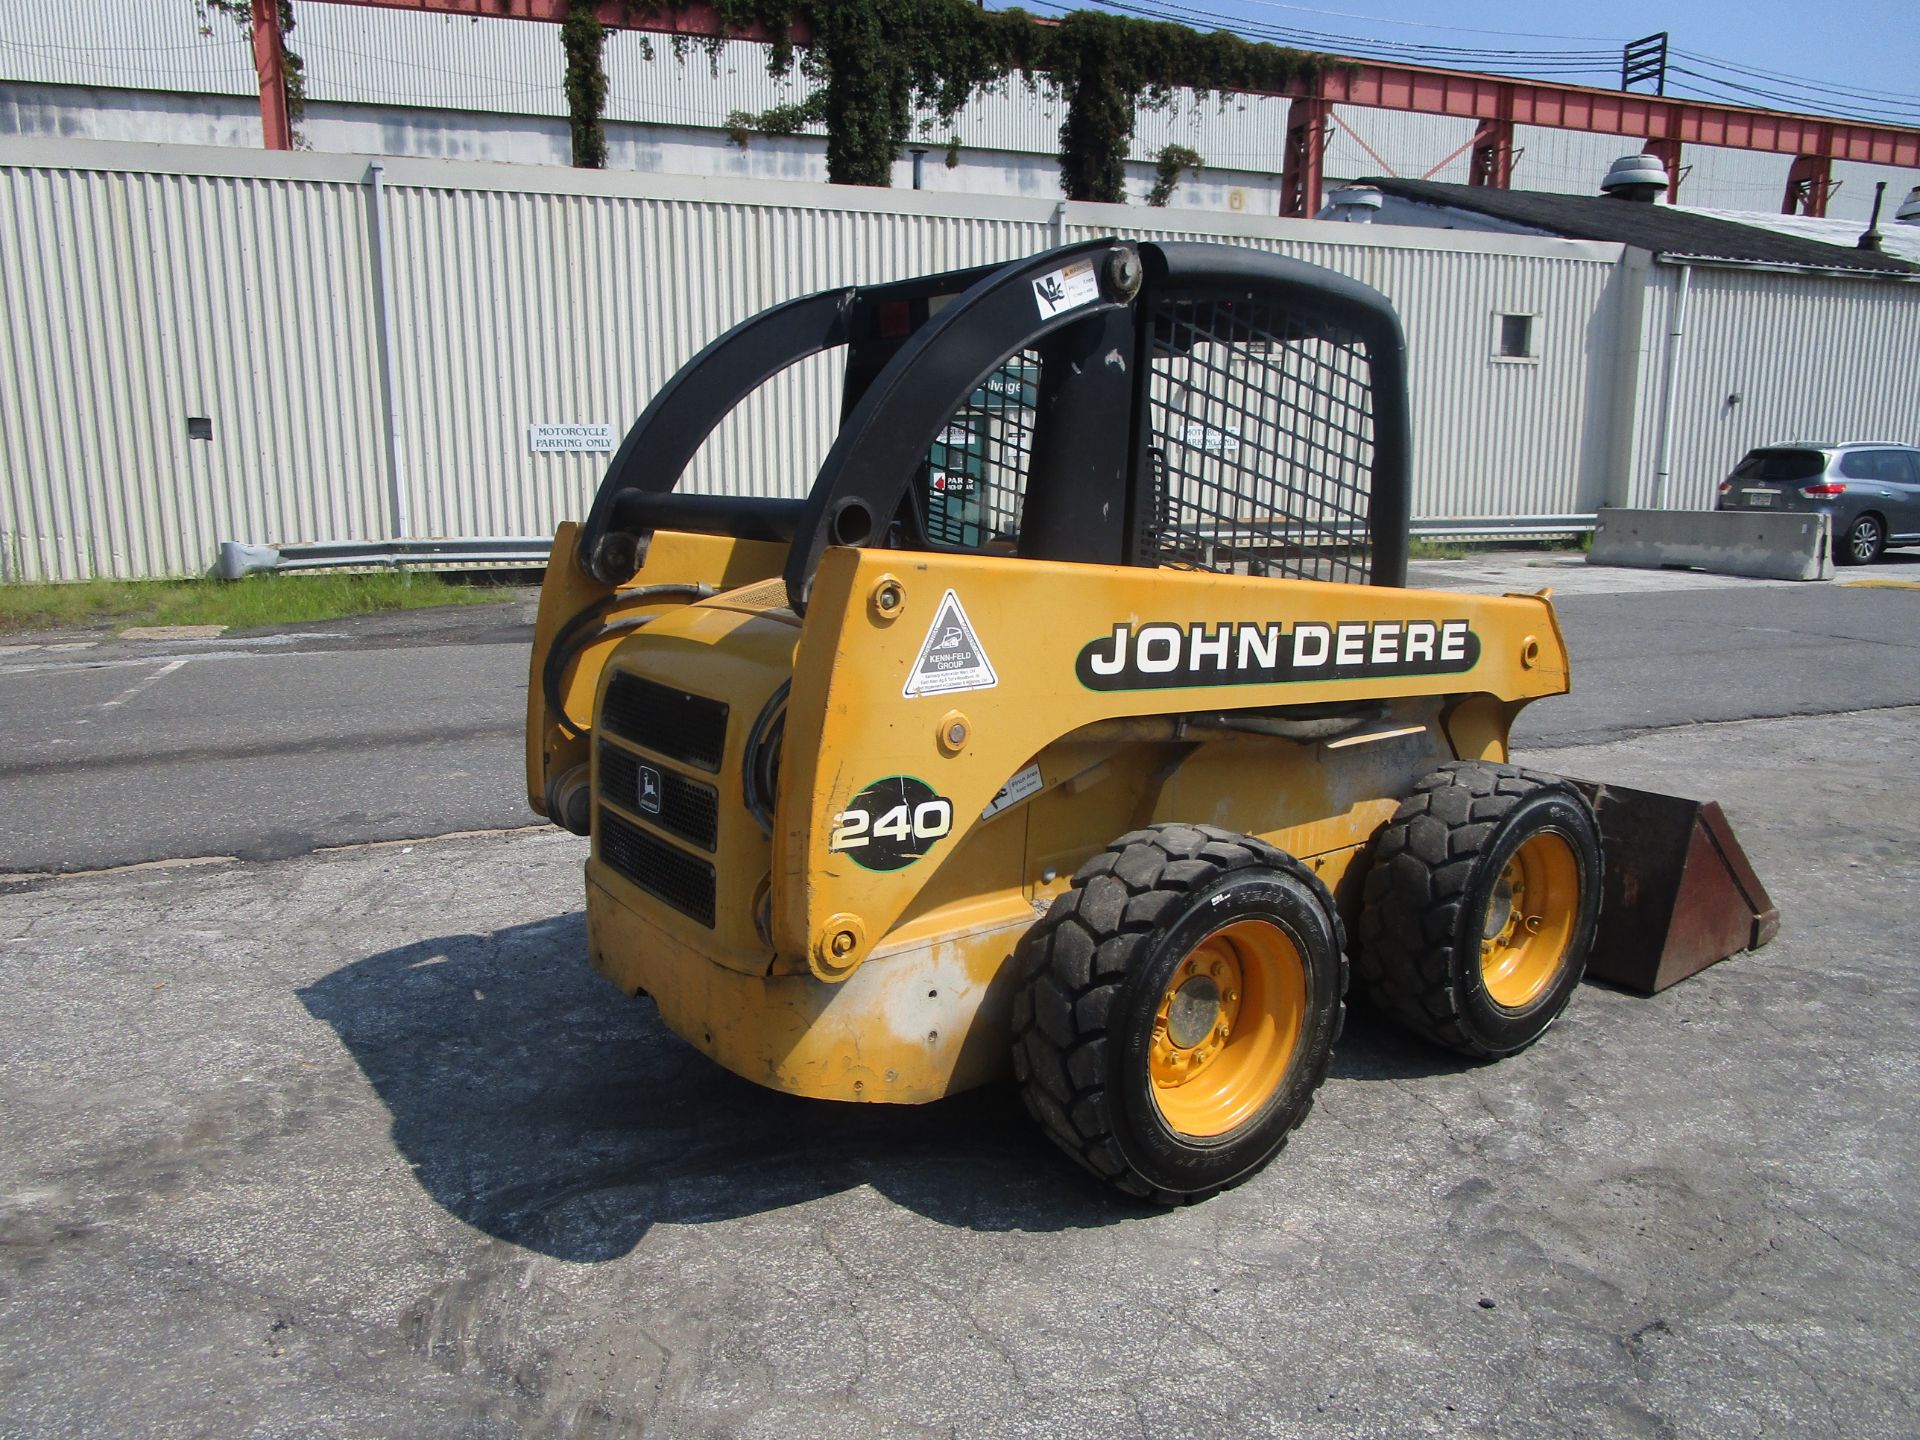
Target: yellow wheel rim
point(1529, 921)
point(1226, 1027)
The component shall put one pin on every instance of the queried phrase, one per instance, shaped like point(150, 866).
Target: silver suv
point(1870, 488)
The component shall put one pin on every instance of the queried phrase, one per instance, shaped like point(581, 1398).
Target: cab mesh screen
point(1261, 443)
point(974, 479)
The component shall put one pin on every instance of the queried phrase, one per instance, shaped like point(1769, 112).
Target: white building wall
point(149, 284)
point(136, 299)
point(1490, 436)
point(1811, 358)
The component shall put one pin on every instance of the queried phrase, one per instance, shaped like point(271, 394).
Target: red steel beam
point(1809, 186)
point(1668, 152)
point(1384, 86)
point(1615, 112)
point(270, 64)
point(1302, 167)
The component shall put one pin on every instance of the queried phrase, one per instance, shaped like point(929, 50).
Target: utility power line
point(1708, 76)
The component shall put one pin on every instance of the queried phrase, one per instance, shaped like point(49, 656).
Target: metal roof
point(1663, 229)
point(1896, 239)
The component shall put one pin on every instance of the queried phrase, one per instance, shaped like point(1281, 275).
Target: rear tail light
point(1823, 491)
point(1726, 487)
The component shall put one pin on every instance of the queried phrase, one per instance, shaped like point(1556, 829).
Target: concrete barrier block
point(1721, 542)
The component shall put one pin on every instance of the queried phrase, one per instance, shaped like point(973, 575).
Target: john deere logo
point(649, 796)
point(1168, 655)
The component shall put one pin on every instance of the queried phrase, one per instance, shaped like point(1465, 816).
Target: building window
point(1513, 337)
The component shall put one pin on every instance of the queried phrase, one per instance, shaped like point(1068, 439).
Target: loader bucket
point(1679, 895)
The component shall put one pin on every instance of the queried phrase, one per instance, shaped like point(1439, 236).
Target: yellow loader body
point(810, 972)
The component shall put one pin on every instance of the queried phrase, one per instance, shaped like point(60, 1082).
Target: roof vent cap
point(1355, 204)
point(1909, 211)
point(1635, 177)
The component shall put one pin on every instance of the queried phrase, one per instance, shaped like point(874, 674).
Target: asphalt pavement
point(407, 726)
point(262, 746)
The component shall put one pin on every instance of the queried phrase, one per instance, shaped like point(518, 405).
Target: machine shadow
point(1372, 1047)
point(536, 1104)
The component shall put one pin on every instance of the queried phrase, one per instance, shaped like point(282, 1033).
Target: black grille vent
point(662, 870)
point(666, 721)
point(667, 798)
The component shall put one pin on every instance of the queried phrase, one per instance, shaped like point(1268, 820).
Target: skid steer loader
point(1078, 718)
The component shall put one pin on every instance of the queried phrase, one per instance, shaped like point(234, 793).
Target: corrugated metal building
point(387, 82)
point(1750, 330)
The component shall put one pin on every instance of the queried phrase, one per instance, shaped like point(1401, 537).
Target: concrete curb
point(1724, 542)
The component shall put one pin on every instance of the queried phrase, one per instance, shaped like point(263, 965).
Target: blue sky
point(1863, 58)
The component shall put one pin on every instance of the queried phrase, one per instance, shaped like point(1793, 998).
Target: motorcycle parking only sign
point(568, 439)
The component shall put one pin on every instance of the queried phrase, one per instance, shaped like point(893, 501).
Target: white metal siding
point(146, 284)
point(134, 301)
point(1490, 437)
point(1811, 359)
point(131, 44)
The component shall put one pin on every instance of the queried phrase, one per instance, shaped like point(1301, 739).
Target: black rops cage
point(1200, 406)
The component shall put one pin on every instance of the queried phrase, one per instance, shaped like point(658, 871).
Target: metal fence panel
point(150, 284)
point(522, 308)
point(135, 301)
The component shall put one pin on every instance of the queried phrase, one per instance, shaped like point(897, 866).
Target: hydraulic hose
point(760, 775)
point(575, 637)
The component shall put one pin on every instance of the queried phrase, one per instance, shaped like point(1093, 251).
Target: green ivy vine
point(584, 39)
point(874, 62)
point(1171, 163)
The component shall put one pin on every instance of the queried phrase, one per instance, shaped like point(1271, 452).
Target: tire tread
point(1423, 865)
point(1075, 959)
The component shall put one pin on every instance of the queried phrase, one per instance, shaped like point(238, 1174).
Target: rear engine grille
point(666, 721)
point(662, 870)
point(668, 799)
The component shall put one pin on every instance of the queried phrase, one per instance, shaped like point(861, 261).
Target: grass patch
point(1418, 549)
point(241, 604)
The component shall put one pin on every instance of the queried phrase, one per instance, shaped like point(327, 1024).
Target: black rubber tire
point(1093, 970)
point(1428, 886)
point(1864, 542)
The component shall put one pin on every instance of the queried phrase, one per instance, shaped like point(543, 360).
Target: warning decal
point(952, 659)
point(1067, 288)
point(1026, 782)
